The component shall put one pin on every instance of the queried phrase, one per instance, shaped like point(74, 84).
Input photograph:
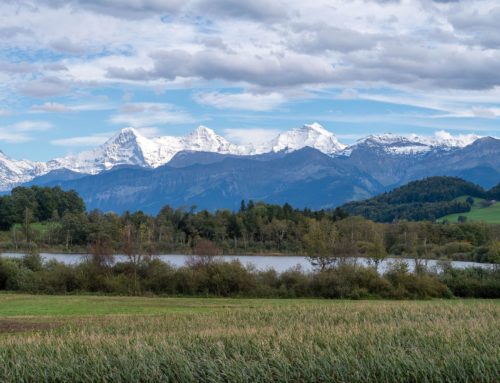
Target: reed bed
point(380, 341)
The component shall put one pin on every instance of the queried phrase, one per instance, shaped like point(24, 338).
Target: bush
point(420, 285)
point(473, 282)
point(225, 279)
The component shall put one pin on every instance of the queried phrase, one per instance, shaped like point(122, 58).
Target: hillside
point(428, 199)
point(484, 210)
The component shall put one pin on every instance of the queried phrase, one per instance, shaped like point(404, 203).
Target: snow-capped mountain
point(313, 135)
point(414, 144)
point(14, 172)
point(129, 147)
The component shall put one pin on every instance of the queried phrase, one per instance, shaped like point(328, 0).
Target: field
point(108, 339)
point(490, 214)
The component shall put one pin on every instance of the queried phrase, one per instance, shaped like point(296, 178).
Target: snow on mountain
point(129, 147)
point(14, 172)
point(313, 135)
point(204, 139)
point(446, 140)
point(414, 144)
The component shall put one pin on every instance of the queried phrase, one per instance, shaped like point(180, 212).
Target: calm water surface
point(260, 262)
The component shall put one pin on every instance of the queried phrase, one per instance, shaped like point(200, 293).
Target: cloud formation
point(241, 101)
point(82, 141)
point(22, 131)
point(253, 136)
point(255, 56)
point(145, 115)
point(270, 44)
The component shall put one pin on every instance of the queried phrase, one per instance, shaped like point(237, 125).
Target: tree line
point(327, 236)
point(207, 276)
point(423, 200)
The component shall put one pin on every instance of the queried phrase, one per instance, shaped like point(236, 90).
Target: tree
point(373, 246)
point(205, 253)
point(319, 242)
point(74, 229)
point(26, 225)
point(374, 251)
point(101, 251)
point(133, 242)
point(278, 230)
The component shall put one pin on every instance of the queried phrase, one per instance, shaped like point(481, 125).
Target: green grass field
point(41, 227)
point(489, 214)
point(115, 339)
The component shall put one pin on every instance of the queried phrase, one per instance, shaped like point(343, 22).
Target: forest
point(37, 219)
point(423, 200)
point(49, 219)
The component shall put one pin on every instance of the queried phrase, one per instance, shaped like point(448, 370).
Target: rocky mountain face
point(15, 172)
point(129, 147)
point(305, 177)
point(307, 166)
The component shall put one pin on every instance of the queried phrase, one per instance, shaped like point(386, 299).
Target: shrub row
point(204, 277)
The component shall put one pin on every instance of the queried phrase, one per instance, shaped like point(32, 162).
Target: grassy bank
point(478, 213)
point(85, 338)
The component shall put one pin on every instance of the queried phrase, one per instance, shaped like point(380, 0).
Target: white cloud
point(82, 141)
point(51, 107)
point(31, 126)
point(349, 136)
point(66, 45)
point(22, 131)
point(45, 87)
point(150, 114)
point(99, 138)
point(348, 94)
point(241, 101)
point(251, 135)
point(443, 54)
point(55, 107)
point(149, 132)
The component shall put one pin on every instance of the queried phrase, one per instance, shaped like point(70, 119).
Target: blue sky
point(72, 73)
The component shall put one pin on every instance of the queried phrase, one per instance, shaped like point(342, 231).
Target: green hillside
point(431, 199)
point(424, 200)
point(478, 212)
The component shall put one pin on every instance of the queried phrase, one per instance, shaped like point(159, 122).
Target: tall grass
point(297, 342)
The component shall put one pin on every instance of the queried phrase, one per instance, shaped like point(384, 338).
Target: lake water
point(261, 262)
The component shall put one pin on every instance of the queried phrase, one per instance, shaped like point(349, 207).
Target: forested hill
point(427, 199)
point(39, 204)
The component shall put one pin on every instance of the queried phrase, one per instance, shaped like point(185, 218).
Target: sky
point(74, 72)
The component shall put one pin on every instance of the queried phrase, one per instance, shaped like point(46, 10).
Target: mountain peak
point(383, 138)
point(311, 135)
point(416, 144)
point(202, 129)
point(126, 134)
point(317, 128)
point(202, 132)
point(130, 147)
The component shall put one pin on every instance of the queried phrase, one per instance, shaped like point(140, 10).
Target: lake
point(261, 262)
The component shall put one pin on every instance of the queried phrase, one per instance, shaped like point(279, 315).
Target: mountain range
point(306, 166)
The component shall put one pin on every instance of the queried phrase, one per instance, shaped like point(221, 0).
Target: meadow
point(478, 213)
point(117, 339)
